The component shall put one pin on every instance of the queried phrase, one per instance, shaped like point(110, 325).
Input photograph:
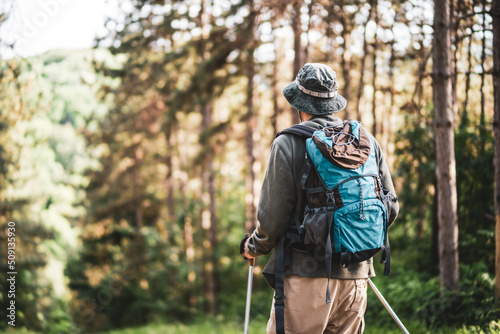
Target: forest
point(130, 172)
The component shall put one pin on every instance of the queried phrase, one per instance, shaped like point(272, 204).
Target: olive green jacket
point(282, 194)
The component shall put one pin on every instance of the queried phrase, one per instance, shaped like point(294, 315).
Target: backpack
point(347, 210)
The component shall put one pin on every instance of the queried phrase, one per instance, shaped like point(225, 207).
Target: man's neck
point(304, 116)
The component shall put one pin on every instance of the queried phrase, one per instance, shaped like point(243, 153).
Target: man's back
point(295, 271)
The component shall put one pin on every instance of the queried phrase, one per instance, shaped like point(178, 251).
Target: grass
point(17, 331)
point(205, 327)
point(218, 326)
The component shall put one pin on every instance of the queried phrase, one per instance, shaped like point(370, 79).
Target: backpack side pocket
point(357, 233)
point(315, 226)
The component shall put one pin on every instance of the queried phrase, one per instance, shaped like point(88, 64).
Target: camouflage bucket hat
point(314, 91)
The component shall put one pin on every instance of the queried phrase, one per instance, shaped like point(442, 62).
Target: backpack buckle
point(330, 200)
point(279, 300)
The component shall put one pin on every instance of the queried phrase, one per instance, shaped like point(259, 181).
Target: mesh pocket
point(315, 226)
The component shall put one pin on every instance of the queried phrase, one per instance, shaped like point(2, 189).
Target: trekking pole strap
point(279, 295)
point(386, 259)
point(329, 255)
point(386, 255)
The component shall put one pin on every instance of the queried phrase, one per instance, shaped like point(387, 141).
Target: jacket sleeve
point(386, 179)
point(277, 201)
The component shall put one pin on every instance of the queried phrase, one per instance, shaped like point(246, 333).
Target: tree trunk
point(468, 23)
point(138, 189)
point(297, 47)
point(454, 60)
point(189, 249)
point(213, 282)
point(307, 50)
point(169, 182)
point(495, 13)
point(435, 235)
point(209, 222)
point(464, 121)
point(482, 119)
point(363, 64)
point(209, 217)
point(374, 76)
point(387, 140)
point(189, 230)
point(250, 222)
point(422, 208)
point(274, 82)
point(418, 93)
point(445, 154)
point(346, 58)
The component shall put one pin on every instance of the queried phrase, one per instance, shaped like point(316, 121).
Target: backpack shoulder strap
point(279, 299)
point(298, 130)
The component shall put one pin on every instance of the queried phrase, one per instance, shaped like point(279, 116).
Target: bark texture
point(495, 13)
point(445, 143)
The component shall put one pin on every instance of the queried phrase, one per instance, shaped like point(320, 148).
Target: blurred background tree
point(132, 171)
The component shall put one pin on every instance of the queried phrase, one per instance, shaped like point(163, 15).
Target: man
point(282, 200)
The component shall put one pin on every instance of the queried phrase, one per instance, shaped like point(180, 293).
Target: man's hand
point(245, 254)
point(243, 248)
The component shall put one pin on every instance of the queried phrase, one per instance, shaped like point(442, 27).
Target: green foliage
point(59, 321)
point(475, 182)
point(421, 303)
point(472, 305)
point(474, 162)
point(104, 164)
point(415, 168)
point(41, 188)
point(415, 290)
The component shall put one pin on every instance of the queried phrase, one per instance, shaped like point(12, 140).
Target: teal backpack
point(347, 210)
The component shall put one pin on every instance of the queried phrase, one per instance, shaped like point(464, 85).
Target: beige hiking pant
point(306, 311)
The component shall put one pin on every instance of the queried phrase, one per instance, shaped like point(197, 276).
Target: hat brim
point(311, 104)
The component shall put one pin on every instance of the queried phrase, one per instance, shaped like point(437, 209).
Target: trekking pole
point(249, 294)
point(388, 307)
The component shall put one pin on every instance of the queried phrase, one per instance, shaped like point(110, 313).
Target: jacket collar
point(318, 122)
